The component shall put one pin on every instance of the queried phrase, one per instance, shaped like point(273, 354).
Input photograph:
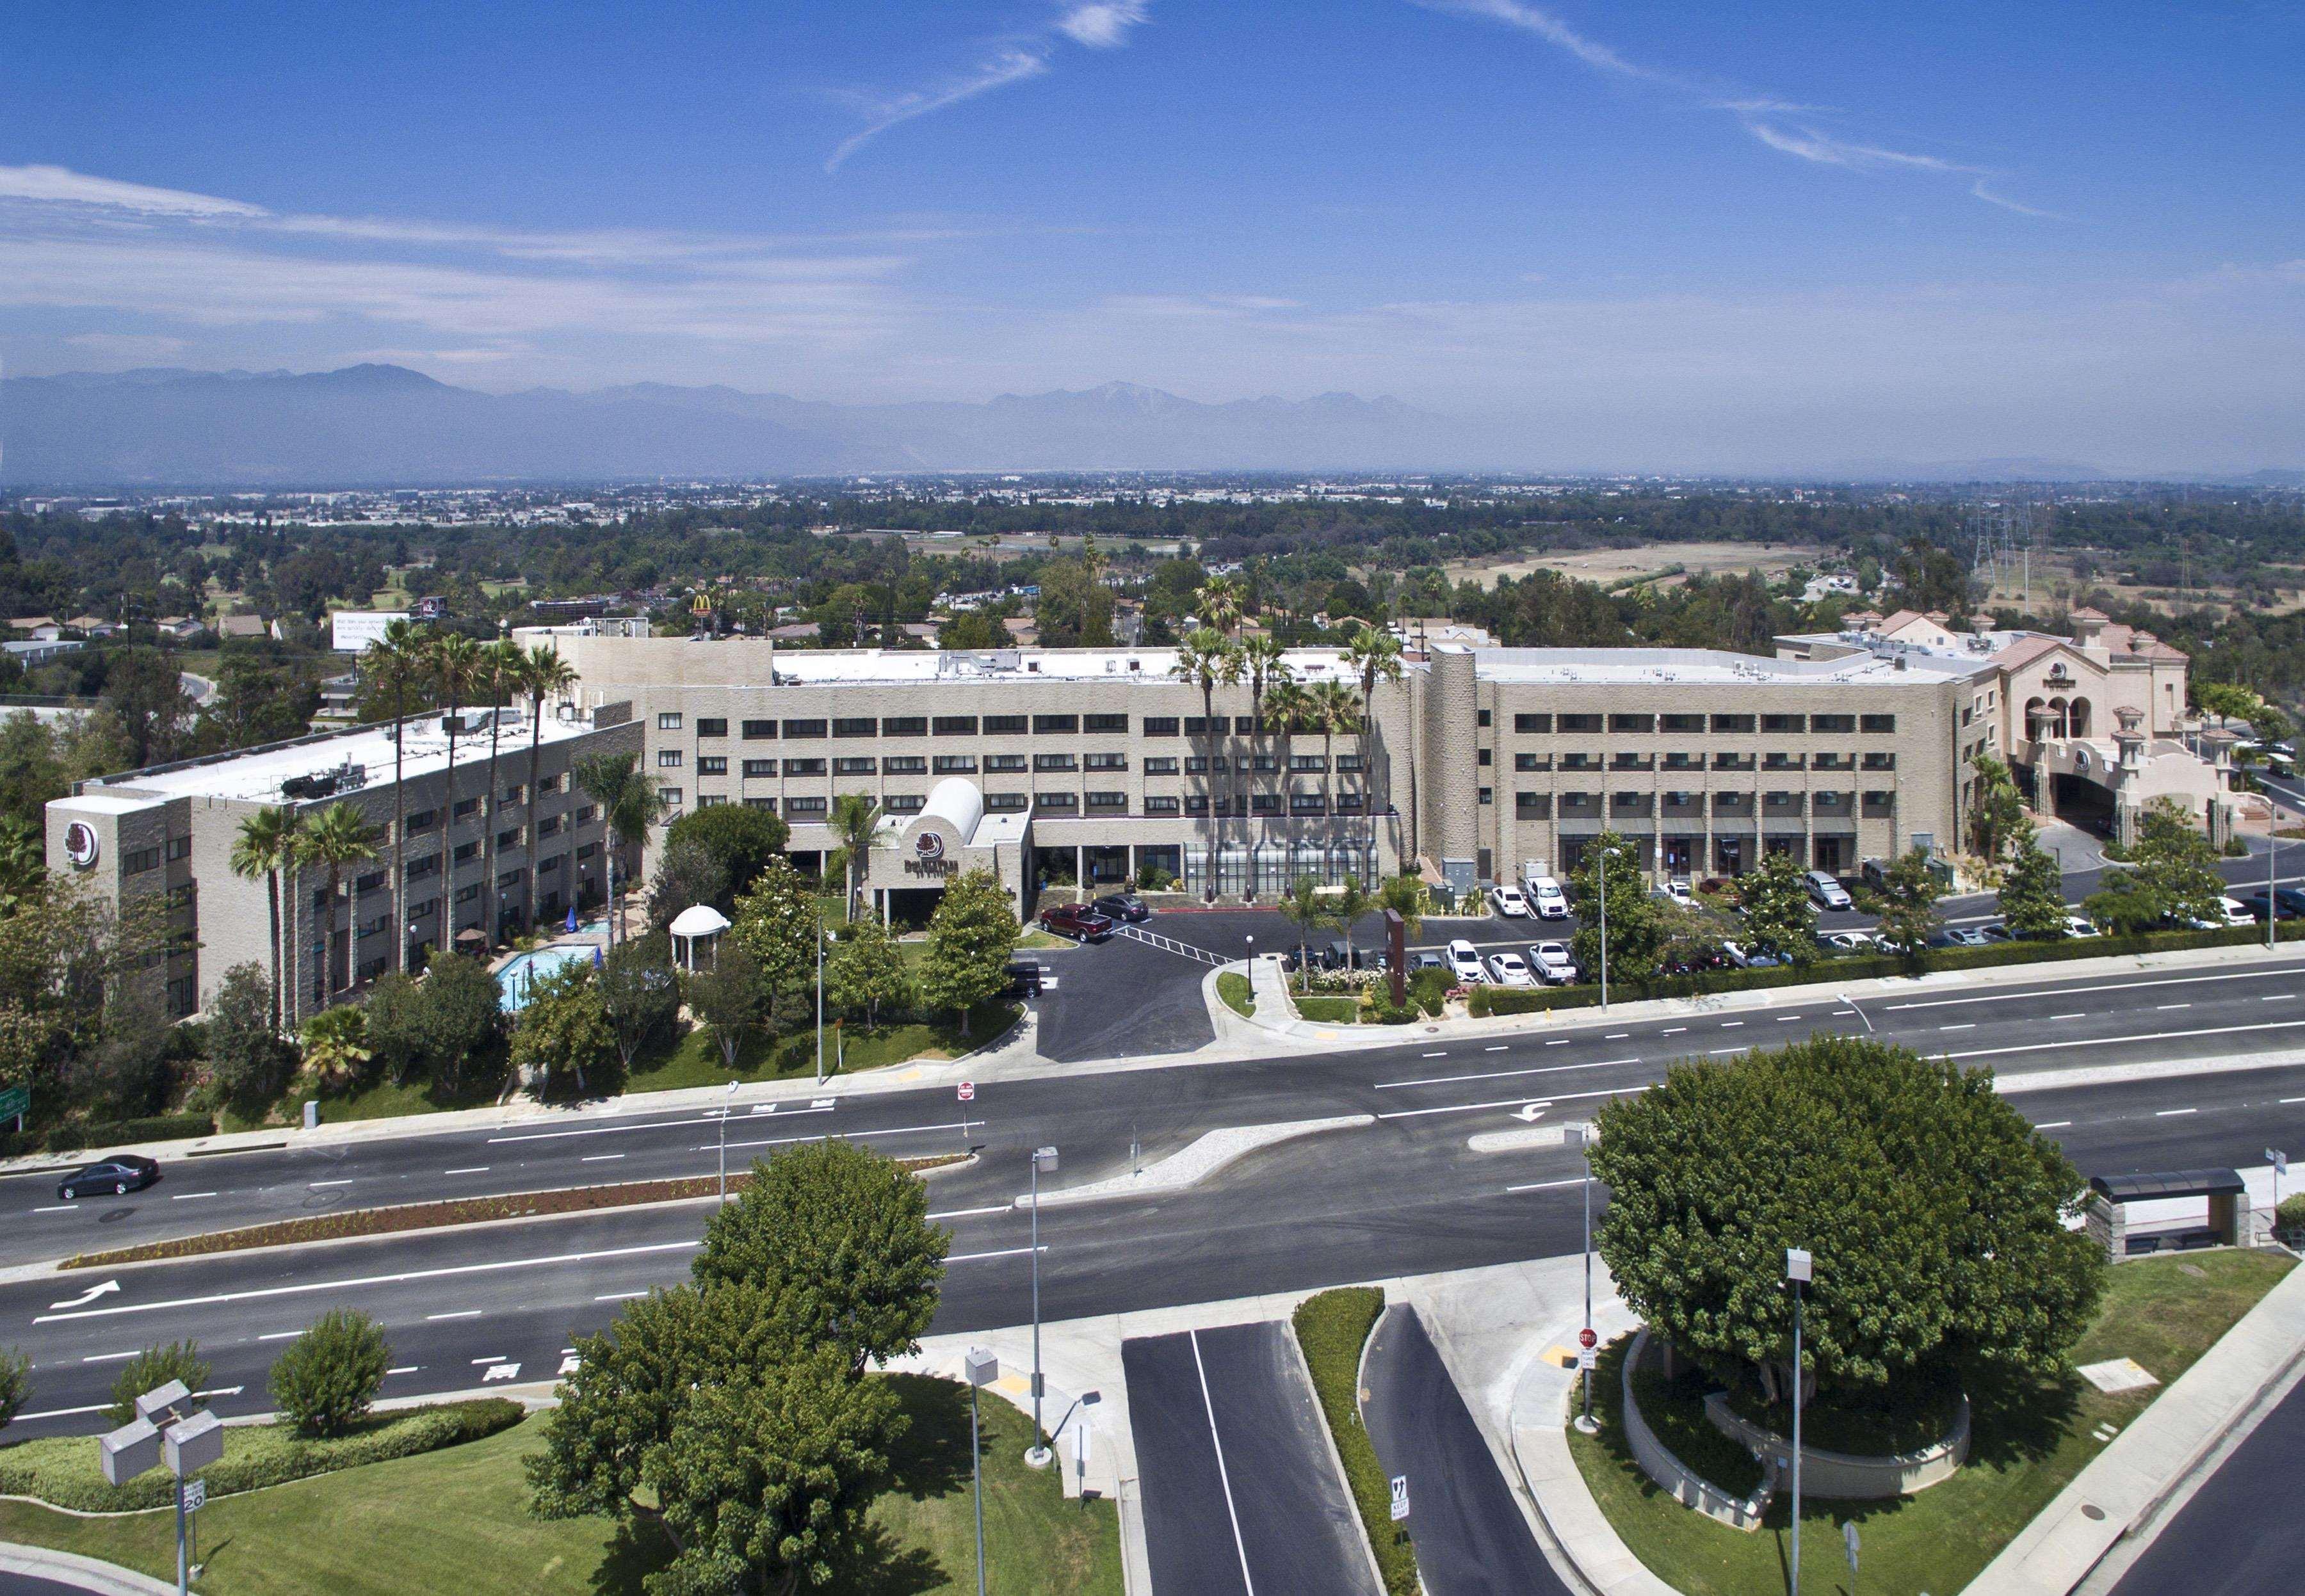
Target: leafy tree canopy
point(1639, 930)
point(742, 839)
point(1777, 908)
point(971, 936)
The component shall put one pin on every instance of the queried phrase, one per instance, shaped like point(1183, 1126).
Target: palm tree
point(266, 845)
point(543, 673)
point(1205, 658)
point(1333, 709)
point(856, 820)
point(456, 661)
point(397, 663)
point(1374, 657)
point(336, 838)
point(497, 676)
point(1308, 912)
point(628, 803)
point(1220, 599)
point(1266, 664)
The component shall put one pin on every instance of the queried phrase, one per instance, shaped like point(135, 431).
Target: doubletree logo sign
point(928, 856)
point(929, 845)
point(80, 844)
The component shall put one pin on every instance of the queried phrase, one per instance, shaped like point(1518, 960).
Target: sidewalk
point(79, 1573)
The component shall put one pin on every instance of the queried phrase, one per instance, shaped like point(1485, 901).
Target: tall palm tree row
point(397, 664)
point(1206, 660)
point(628, 803)
point(456, 661)
point(265, 846)
point(1332, 709)
point(543, 675)
point(497, 679)
point(334, 840)
point(1265, 661)
point(1375, 658)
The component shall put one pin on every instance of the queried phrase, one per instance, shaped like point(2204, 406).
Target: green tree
point(328, 1379)
point(686, 874)
point(728, 999)
point(1775, 898)
point(536, 675)
point(248, 1061)
point(1373, 657)
point(336, 1046)
point(855, 822)
point(153, 1368)
point(562, 1028)
point(397, 669)
point(395, 1034)
point(333, 841)
point(1908, 905)
point(778, 923)
point(15, 1385)
point(2227, 701)
point(1205, 660)
point(1639, 930)
point(640, 992)
point(2177, 864)
point(837, 1242)
point(743, 839)
point(628, 803)
point(1996, 817)
point(865, 971)
point(1934, 1211)
point(2125, 904)
point(971, 936)
point(1305, 907)
point(462, 1020)
point(2032, 889)
point(1404, 894)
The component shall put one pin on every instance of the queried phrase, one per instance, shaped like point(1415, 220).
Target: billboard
point(352, 630)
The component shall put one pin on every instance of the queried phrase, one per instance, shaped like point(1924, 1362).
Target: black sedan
point(119, 1174)
point(1123, 907)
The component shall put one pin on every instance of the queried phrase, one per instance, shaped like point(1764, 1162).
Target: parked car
point(1965, 935)
point(1849, 941)
point(1076, 921)
point(1552, 963)
point(2082, 925)
point(1509, 902)
point(1544, 895)
point(1995, 930)
point(1757, 955)
point(1425, 960)
point(119, 1174)
point(1123, 908)
point(1465, 963)
point(1825, 892)
point(1508, 969)
point(2287, 903)
point(1023, 979)
point(1677, 891)
point(2230, 912)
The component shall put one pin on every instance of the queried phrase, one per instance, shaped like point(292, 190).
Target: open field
point(1607, 566)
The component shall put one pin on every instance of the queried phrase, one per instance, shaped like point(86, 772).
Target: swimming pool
point(522, 970)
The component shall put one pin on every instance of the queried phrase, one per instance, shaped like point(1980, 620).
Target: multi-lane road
point(1403, 1195)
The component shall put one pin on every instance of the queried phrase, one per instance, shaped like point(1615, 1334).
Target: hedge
point(1332, 1327)
point(62, 1471)
point(71, 1137)
point(1524, 1000)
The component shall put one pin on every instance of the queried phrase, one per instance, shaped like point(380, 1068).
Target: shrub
point(249, 1062)
point(324, 1383)
point(15, 1384)
point(1332, 1330)
point(1480, 1001)
point(157, 1366)
point(1428, 989)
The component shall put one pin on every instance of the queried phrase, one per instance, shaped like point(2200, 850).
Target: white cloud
point(1103, 27)
point(56, 185)
point(128, 346)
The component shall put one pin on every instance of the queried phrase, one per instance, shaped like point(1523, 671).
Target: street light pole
point(1037, 1454)
point(820, 1002)
point(1798, 1269)
point(1603, 878)
point(982, 1369)
point(1588, 1340)
point(724, 1142)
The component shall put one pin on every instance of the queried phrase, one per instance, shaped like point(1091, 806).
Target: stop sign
point(968, 1091)
point(1586, 1337)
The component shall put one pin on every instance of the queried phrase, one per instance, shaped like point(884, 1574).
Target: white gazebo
point(698, 922)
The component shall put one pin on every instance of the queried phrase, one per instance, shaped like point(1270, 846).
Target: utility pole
point(1603, 879)
point(982, 1368)
point(724, 1144)
point(1798, 1269)
point(1044, 1161)
point(820, 1002)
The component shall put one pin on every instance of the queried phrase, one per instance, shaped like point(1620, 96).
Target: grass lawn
point(1330, 1011)
point(2164, 1312)
point(695, 1061)
point(1233, 988)
point(383, 1100)
point(386, 1535)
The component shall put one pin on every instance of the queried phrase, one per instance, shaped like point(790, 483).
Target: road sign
point(2273, 1155)
point(1586, 1337)
point(1399, 1497)
point(1848, 1544)
point(196, 1495)
point(968, 1091)
point(15, 1102)
point(1588, 1358)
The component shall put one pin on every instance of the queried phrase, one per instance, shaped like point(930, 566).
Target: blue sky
point(1675, 235)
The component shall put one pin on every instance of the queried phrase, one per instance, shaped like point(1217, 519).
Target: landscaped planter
point(1848, 1476)
point(1681, 1481)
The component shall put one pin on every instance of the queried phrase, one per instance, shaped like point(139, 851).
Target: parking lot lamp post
point(982, 1369)
point(1044, 1162)
point(724, 1144)
point(1604, 928)
point(1579, 1137)
point(1798, 1268)
point(820, 1002)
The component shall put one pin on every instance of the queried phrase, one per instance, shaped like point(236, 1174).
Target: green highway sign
point(14, 1101)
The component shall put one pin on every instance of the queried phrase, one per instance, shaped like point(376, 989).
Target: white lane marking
point(1970, 1025)
point(2288, 1100)
point(2172, 1113)
point(1534, 1069)
point(2162, 1005)
point(2052, 1125)
point(109, 1357)
point(1224, 1477)
point(478, 1362)
point(2278, 997)
point(1559, 1041)
point(963, 1213)
point(61, 1412)
point(600, 1157)
point(316, 1185)
point(1839, 1012)
point(612, 1129)
point(1672, 1031)
point(620, 1296)
point(1003, 1253)
point(405, 1368)
point(1616, 1036)
point(1730, 1025)
point(475, 1170)
point(281, 1336)
point(909, 1129)
point(1519, 1102)
point(1433, 1056)
point(445, 1272)
point(462, 1314)
point(1546, 1185)
point(88, 1296)
point(1494, 1048)
point(2117, 986)
point(57, 1208)
point(1784, 1019)
point(1719, 1052)
point(2076, 1016)
point(2114, 1041)
point(569, 1363)
point(188, 1196)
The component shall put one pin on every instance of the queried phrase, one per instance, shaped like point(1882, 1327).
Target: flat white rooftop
point(1703, 667)
point(257, 775)
point(815, 667)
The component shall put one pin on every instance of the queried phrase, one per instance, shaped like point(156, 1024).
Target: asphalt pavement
point(2240, 1534)
point(1240, 1493)
point(1470, 1536)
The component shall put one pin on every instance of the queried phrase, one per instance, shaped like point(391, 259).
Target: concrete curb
point(1204, 1157)
point(87, 1574)
point(2123, 1488)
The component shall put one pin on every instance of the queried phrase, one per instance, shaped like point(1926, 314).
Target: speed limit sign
point(968, 1091)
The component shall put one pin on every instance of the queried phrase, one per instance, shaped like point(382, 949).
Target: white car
point(1552, 964)
point(1509, 902)
point(1849, 941)
point(1825, 892)
point(2080, 925)
point(1551, 903)
point(1465, 963)
point(1510, 970)
point(1677, 890)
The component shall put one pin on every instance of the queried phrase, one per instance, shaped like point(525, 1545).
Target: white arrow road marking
point(500, 1372)
point(1532, 1112)
point(88, 1296)
point(569, 1366)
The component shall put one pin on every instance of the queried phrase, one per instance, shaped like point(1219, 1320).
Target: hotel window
point(1878, 723)
point(1308, 804)
point(1160, 764)
point(1732, 761)
point(373, 881)
point(856, 725)
point(803, 767)
point(551, 867)
point(1160, 725)
point(1833, 724)
point(510, 877)
point(1311, 761)
point(509, 839)
point(1046, 725)
point(803, 728)
point(511, 795)
point(1579, 762)
point(1488, 794)
point(955, 764)
point(1197, 726)
point(140, 861)
point(1880, 761)
point(467, 851)
point(1777, 724)
point(1108, 802)
point(1781, 803)
point(1780, 761)
point(904, 726)
point(1263, 763)
point(548, 826)
point(1684, 761)
point(759, 767)
point(1732, 724)
point(180, 996)
point(1531, 761)
point(1264, 803)
point(955, 726)
point(430, 865)
point(1105, 723)
point(904, 764)
point(1486, 757)
point(1880, 803)
point(180, 896)
point(711, 764)
point(904, 804)
point(855, 765)
point(587, 851)
point(758, 731)
point(468, 894)
point(179, 847)
point(1483, 717)
point(1053, 761)
point(669, 796)
point(669, 759)
point(712, 727)
point(1004, 725)
point(1349, 804)
point(1160, 806)
point(1532, 723)
point(1351, 761)
point(1196, 803)
point(1580, 722)
point(768, 803)
point(1106, 761)
point(1681, 723)
point(1056, 803)
point(668, 721)
point(423, 820)
point(470, 807)
point(804, 806)
point(1632, 723)
point(1005, 803)
point(1004, 761)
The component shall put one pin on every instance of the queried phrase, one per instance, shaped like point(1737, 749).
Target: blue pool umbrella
point(598, 959)
point(571, 924)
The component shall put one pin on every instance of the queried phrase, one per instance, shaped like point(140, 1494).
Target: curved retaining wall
point(1848, 1475)
point(1685, 1485)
